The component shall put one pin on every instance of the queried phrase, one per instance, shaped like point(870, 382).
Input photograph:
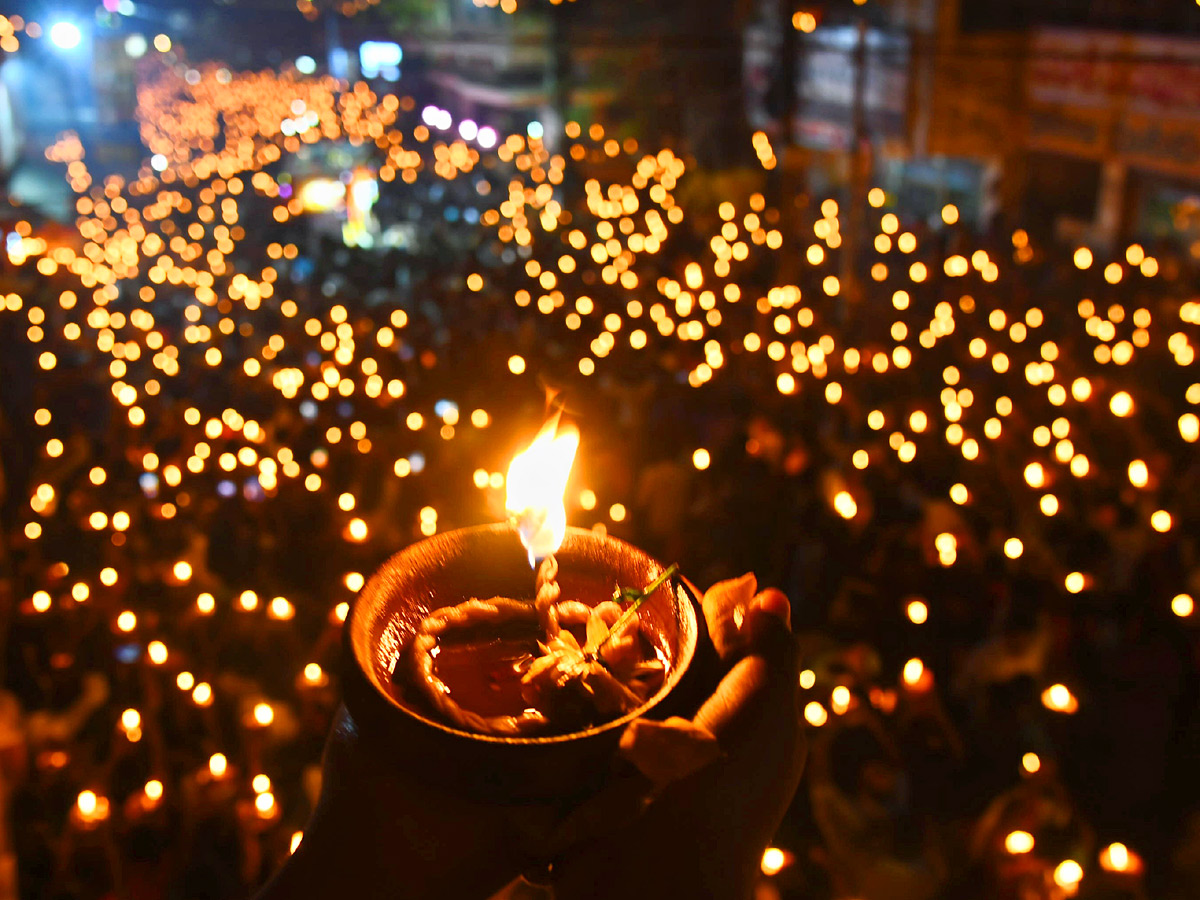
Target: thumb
point(763, 681)
point(768, 627)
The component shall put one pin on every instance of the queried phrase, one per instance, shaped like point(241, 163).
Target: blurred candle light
point(264, 803)
point(815, 715)
point(1139, 474)
point(774, 861)
point(1068, 874)
point(914, 669)
point(1116, 857)
point(844, 505)
point(1059, 698)
point(1018, 842)
point(839, 699)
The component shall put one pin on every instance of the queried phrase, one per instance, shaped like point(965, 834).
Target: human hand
point(381, 832)
point(703, 835)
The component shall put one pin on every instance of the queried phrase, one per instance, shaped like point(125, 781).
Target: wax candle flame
point(537, 480)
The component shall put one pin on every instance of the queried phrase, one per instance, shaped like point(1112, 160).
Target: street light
point(65, 35)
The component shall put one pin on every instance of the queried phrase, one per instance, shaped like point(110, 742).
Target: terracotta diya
point(506, 660)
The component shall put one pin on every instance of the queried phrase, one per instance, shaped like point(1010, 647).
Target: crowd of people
point(985, 523)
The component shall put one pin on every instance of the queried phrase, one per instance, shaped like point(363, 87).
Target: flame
point(537, 480)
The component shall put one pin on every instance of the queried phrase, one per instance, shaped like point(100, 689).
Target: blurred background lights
point(65, 35)
point(136, 46)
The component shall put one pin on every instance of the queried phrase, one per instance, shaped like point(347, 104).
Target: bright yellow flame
point(1059, 698)
point(815, 715)
point(918, 612)
point(154, 789)
point(845, 505)
point(1031, 763)
point(773, 861)
point(1068, 873)
point(1018, 842)
point(913, 670)
point(1035, 475)
point(86, 802)
point(217, 765)
point(1139, 473)
point(1189, 427)
point(263, 713)
point(701, 458)
point(537, 481)
point(1115, 857)
point(1183, 605)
